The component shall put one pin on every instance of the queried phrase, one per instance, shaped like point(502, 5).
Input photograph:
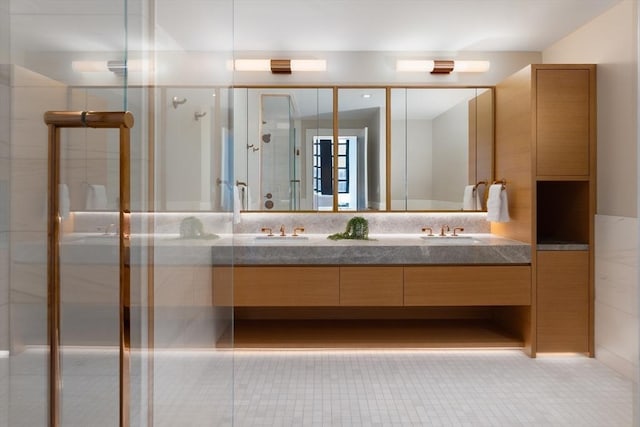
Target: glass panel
point(275, 153)
point(442, 141)
point(362, 122)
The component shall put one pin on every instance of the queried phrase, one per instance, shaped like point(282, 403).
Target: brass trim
point(336, 136)
point(387, 108)
point(83, 119)
point(442, 66)
point(53, 276)
point(281, 66)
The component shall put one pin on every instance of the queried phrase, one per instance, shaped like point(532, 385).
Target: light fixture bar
point(280, 66)
point(441, 66)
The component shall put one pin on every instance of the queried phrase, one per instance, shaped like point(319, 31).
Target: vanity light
point(441, 66)
point(117, 67)
point(280, 66)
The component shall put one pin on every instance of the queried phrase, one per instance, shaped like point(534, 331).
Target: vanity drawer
point(371, 286)
point(467, 285)
point(286, 286)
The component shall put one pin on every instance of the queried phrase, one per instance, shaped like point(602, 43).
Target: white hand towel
point(468, 201)
point(64, 201)
point(497, 204)
point(96, 197)
point(237, 205)
point(479, 198)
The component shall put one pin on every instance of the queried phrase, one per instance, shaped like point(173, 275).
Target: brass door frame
point(56, 120)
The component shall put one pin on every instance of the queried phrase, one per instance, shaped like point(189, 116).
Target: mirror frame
point(336, 132)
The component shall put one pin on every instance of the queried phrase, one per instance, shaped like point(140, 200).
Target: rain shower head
point(178, 101)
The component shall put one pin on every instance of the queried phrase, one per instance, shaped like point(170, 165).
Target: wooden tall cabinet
point(546, 152)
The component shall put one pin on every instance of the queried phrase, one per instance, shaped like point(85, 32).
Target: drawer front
point(467, 285)
point(371, 286)
point(286, 286)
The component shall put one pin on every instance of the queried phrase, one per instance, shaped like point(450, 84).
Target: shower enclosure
point(114, 56)
point(279, 154)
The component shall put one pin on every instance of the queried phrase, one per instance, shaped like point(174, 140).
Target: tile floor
point(330, 388)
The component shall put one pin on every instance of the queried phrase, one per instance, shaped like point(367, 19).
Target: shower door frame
point(55, 120)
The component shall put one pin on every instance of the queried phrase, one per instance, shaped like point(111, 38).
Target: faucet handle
point(442, 230)
point(456, 229)
point(424, 229)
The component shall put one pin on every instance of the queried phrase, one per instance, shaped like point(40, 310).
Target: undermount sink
point(281, 238)
point(435, 237)
point(450, 240)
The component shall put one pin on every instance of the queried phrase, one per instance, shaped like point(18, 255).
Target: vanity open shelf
point(377, 306)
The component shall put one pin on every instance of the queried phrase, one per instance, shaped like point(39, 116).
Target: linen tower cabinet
point(546, 152)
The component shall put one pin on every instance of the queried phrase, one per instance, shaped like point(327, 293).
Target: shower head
point(178, 101)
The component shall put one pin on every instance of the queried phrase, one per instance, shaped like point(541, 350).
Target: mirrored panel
point(361, 159)
point(441, 148)
point(192, 130)
point(280, 157)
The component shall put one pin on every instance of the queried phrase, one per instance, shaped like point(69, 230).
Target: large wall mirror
point(283, 151)
point(279, 153)
point(286, 158)
point(441, 142)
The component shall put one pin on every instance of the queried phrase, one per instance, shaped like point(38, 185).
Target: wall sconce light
point(280, 66)
point(442, 66)
point(117, 67)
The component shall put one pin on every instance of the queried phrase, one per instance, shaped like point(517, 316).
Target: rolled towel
point(479, 197)
point(96, 197)
point(237, 205)
point(468, 198)
point(497, 204)
point(64, 201)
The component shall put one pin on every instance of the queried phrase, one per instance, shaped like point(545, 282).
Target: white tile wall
point(616, 293)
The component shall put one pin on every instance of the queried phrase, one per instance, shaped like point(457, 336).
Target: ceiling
point(301, 25)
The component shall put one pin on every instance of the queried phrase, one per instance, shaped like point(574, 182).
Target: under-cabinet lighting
point(441, 66)
point(280, 66)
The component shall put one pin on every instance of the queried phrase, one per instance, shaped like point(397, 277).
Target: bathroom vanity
point(399, 290)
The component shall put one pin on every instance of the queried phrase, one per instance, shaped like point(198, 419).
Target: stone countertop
point(315, 249)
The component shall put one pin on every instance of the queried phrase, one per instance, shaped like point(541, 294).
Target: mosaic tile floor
point(328, 388)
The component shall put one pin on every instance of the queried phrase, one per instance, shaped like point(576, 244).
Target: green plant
point(357, 228)
point(192, 228)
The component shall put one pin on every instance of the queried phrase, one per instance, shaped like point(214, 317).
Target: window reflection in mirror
point(362, 154)
point(441, 142)
point(274, 133)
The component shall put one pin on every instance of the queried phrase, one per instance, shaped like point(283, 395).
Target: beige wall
point(610, 41)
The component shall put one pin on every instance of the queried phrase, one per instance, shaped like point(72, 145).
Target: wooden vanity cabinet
point(467, 285)
point(286, 286)
point(371, 286)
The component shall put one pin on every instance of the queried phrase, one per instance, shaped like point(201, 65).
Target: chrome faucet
point(442, 230)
